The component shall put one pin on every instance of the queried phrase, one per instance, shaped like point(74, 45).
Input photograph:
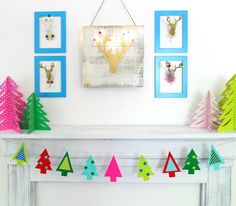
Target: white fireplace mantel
point(127, 143)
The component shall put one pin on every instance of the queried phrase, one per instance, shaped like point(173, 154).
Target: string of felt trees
point(113, 171)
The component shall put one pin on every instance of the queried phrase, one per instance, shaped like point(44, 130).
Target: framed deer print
point(171, 31)
point(50, 76)
point(50, 32)
point(171, 76)
point(113, 56)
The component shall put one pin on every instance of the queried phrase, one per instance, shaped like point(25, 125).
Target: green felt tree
point(144, 169)
point(191, 164)
point(228, 115)
point(34, 116)
point(90, 169)
point(65, 165)
point(21, 156)
point(226, 91)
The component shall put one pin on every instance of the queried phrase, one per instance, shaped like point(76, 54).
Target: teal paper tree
point(215, 160)
point(191, 164)
point(34, 116)
point(144, 169)
point(90, 169)
point(21, 156)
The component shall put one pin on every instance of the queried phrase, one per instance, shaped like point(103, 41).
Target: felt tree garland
point(113, 170)
point(34, 116)
point(144, 169)
point(228, 115)
point(11, 106)
point(65, 165)
point(21, 156)
point(44, 163)
point(171, 166)
point(191, 164)
point(215, 160)
point(207, 113)
point(90, 169)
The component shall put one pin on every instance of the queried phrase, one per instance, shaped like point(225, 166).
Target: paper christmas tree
point(21, 156)
point(144, 169)
point(90, 169)
point(65, 165)
point(207, 113)
point(34, 116)
point(191, 164)
point(226, 91)
point(113, 170)
point(171, 166)
point(44, 163)
point(228, 116)
point(215, 160)
point(11, 106)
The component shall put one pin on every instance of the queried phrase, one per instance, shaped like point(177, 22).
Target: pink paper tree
point(207, 113)
point(113, 170)
point(11, 106)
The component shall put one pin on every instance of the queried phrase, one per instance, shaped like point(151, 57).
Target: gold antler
point(113, 58)
point(172, 25)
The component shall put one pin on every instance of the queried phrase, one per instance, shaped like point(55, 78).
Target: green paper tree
point(21, 156)
point(226, 91)
point(144, 169)
point(34, 116)
point(191, 164)
point(90, 169)
point(65, 165)
point(228, 115)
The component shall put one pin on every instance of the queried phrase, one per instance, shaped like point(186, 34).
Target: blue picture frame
point(184, 92)
point(37, 60)
point(37, 16)
point(184, 48)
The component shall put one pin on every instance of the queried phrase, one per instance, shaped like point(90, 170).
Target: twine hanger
point(121, 1)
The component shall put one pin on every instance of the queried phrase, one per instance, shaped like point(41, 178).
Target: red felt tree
point(44, 163)
point(113, 170)
point(11, 106)
point(171, 166)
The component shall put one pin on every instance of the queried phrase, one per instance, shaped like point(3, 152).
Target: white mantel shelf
point(127, 143)
point(122, 132)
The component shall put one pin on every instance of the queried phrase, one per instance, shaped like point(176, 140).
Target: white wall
point(211, 59)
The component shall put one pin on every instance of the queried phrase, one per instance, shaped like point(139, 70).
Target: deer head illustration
point(48, 24)
point(48, 72)
point(112, 55)
point(172, 24)
point(170, 71)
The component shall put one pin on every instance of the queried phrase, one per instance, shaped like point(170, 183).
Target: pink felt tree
point(207, 113)
point(11, 106)
point(113, 170)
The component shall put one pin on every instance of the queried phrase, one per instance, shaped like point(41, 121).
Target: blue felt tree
point(21, 155)
point(215, 160)
point(90, 169)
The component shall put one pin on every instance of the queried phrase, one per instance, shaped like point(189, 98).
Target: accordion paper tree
point(191, 164)
point(171, 166)
point(113, 170)
point(215, 160)
point(90, 169)
point(44, 163)
point(34, 116)
point(207, 113)
point(65, 165)
point(21, 156)
point(144, 169)
point(228, 115)
point(11, 106)
point(226, 91)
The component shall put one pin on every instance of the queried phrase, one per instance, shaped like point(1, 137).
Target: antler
point(177, 20)
point(52, 66)
point(43, 67)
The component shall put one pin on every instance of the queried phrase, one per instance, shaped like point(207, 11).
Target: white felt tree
point(207, 113)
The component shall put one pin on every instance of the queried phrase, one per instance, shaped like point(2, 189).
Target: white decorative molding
point(127, 143)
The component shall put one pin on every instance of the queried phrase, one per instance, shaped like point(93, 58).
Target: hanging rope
point(100, 7)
